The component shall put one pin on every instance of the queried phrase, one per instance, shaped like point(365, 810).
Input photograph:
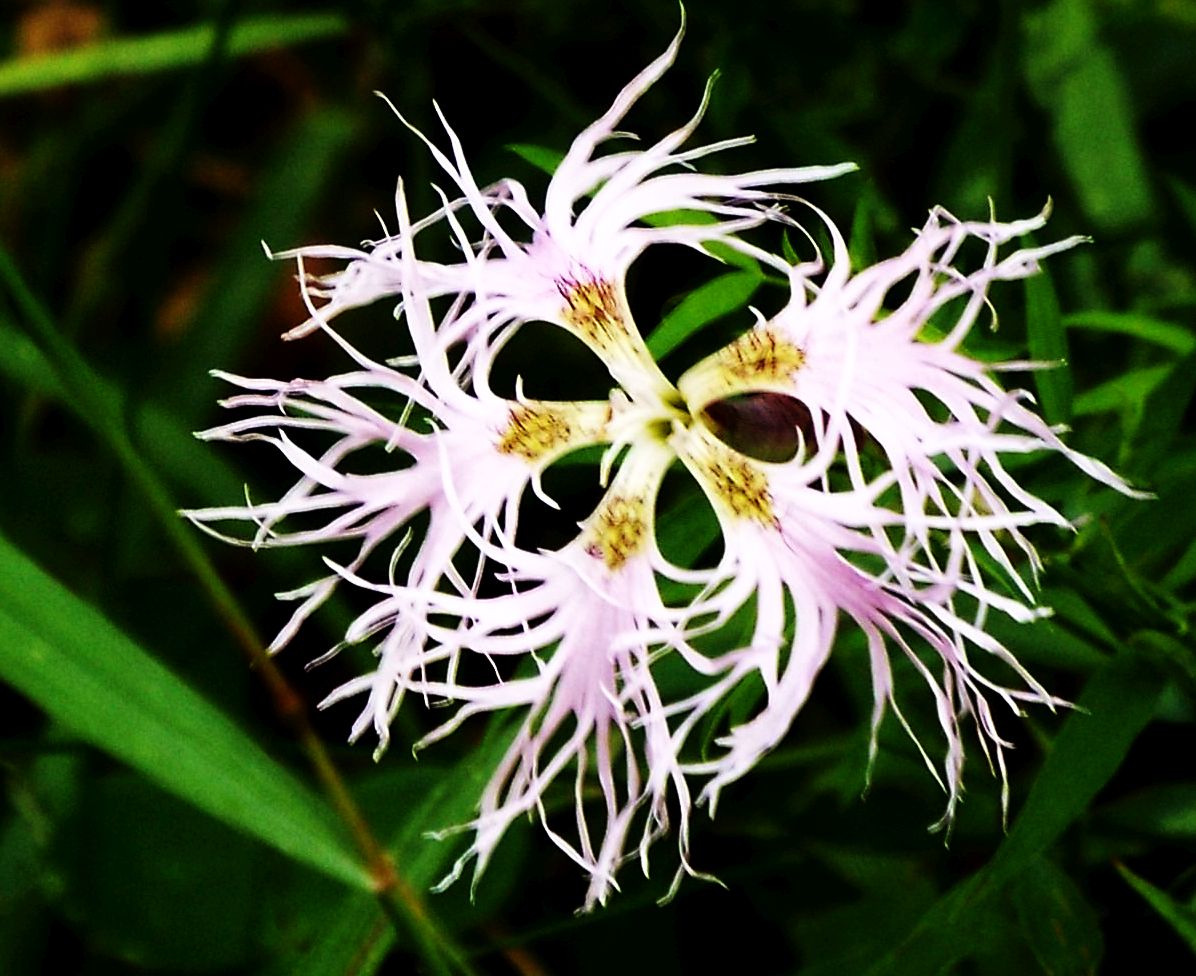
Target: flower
point(942, 423)
point(615, 657)
point(569, 265)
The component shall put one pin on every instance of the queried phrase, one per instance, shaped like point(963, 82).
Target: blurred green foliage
point(158, 817)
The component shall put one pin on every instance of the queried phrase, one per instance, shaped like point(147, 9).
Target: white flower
point(867, 374)
point(788, 541)
point(571, 642)
point(568, 263)
point(896, 483)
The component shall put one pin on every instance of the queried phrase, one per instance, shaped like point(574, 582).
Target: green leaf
point(1048, 344)
point(1172, 657)
point(1181, 918)
point(1185, 196)
point(23, 362)
point(1163, 414)
point(1183, 571)
point(1047, 644)
point(862, 243)
point(1174, 337)
point(354, 939)
point(1116, 705)
point(1076, 80)
point(1058, 923)
point(725, 294)
point(1130, 389)
point(61, 653)
point(1075, 610)
point(544, 159)
point(688, 527)
point(1167, 810)
point(160, 52)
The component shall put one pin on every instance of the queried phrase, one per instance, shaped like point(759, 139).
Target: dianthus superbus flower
point(616, 660)
point(568, 262)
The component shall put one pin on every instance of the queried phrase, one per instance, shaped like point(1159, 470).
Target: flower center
point(764, 426)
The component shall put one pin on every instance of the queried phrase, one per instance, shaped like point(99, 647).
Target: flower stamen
point(760, 359)
point(735, 484)
point(617, 530)
point(595, 313)
point(540, 430)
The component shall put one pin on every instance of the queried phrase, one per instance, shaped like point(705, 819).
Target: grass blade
point(1181, 918)
point(1048, 344)
point(83, 671)
point(1076, 80)
point(1136, 325)
point(181, 48)
point(703, 305)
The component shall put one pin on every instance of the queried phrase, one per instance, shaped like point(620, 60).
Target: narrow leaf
point(1167, 811)
point(356, 939)
point(61, 653)
point(1076, 80)
point(1136, 325)
point(1185, 196)
point(1130, 389)
point(23, 362)
point(1183, 571)
point(160, 52)
point(544, 159)
point(1048, 344)
point(1059, 925)
point(726, 293)
point(862, 244)
point(1164, 412)
point(1179, 917)
point(1116, 705)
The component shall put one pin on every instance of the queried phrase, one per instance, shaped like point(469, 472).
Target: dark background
point(133, 203)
